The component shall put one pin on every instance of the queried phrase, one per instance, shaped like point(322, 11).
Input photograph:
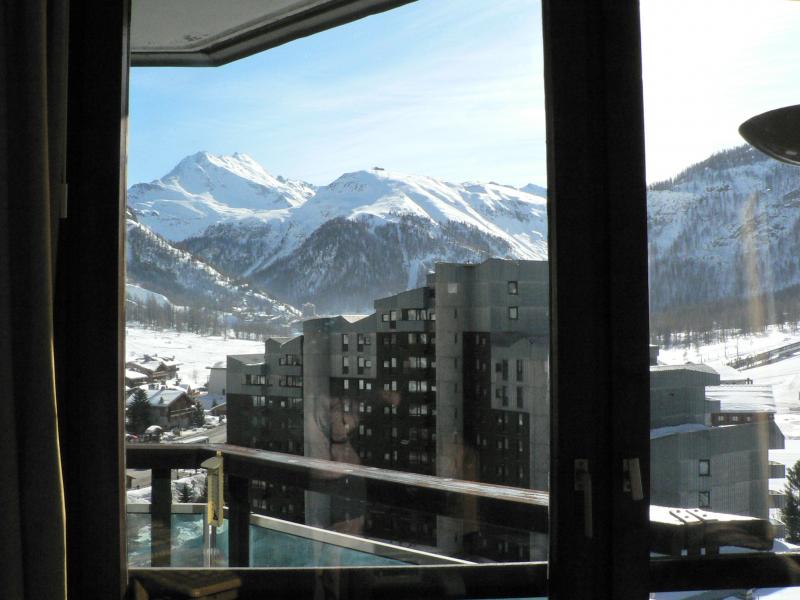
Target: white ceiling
point(210, 32)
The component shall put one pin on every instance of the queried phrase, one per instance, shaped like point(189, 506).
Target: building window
point(512, 288)
point(519, 370)
point(345, 342)
point(393, 315)
point(452, 288)
point(505, 369)
point(704, 467)
point(513, 312)
point(385, 317)
point(346, 384)
point(704, 499)
point(520, 398)
point(345, 364)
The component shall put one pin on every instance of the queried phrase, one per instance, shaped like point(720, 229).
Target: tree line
point(198, 319)
point(714, 322)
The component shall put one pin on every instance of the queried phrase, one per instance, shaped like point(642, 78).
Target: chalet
point(156, 368)
point(169, 407)
point(135, 378)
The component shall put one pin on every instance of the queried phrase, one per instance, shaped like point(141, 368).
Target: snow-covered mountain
point(155, 266)
point(204, 189)
point(726, 228)
point(373, 233)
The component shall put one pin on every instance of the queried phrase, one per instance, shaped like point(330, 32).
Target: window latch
point(632, 478)
point(583, 483)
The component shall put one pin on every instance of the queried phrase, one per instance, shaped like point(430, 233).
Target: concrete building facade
point(707, 451)
point(450, 379)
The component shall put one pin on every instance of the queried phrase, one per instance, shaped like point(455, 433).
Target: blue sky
point(454, 89)
point(447, 88)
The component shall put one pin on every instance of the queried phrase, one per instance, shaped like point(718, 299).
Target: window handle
point(583, 483)
point(632, 480)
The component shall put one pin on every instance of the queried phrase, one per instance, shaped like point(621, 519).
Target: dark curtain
point(32, 192)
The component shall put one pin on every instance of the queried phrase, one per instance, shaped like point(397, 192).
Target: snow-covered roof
point(220, 364)
point(134, 375)
point(251, 360)
point(687, 367)
point(728, 374)
point(160, 397)
point(742, 398)
point(675, 429)
point(353, 318)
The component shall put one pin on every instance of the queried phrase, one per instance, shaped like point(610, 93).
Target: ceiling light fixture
point(776, 133)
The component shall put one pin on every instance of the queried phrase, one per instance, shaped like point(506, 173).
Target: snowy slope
point(728, 227)
point(384, 196)
point(366, 235)
point(204, 189)
point(372, 233)
point(155, 265)
point(140, 295)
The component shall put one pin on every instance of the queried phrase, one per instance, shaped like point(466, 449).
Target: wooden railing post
point(238, 521)
point(161, 515)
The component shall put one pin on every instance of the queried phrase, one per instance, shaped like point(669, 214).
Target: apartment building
point(448, 379)
point(709, 443)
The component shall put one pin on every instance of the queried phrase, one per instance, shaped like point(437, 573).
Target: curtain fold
point(33, 80)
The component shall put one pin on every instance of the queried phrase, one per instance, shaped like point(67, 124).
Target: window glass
point(724, 288)
point(301, 217)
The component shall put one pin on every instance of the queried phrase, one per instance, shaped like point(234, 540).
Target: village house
point(168, 407)
point(156, 368)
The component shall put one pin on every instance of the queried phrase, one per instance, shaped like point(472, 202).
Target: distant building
point(709, 444)
point(448, 379)
point(216, 379)
point(135, 378)
point(157, 369)
point(168, 407)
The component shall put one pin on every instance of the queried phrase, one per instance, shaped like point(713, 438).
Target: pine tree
point(198, 416)
point(139, 412)
point(184, 493)
point(791, 513)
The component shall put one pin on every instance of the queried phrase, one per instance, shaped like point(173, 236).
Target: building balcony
point(341, 498)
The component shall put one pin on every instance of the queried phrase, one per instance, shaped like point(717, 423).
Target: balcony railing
point(673, 532)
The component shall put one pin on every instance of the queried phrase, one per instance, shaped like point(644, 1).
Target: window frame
point(595, 171)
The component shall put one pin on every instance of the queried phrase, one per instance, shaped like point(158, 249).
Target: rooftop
point(742, 398)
